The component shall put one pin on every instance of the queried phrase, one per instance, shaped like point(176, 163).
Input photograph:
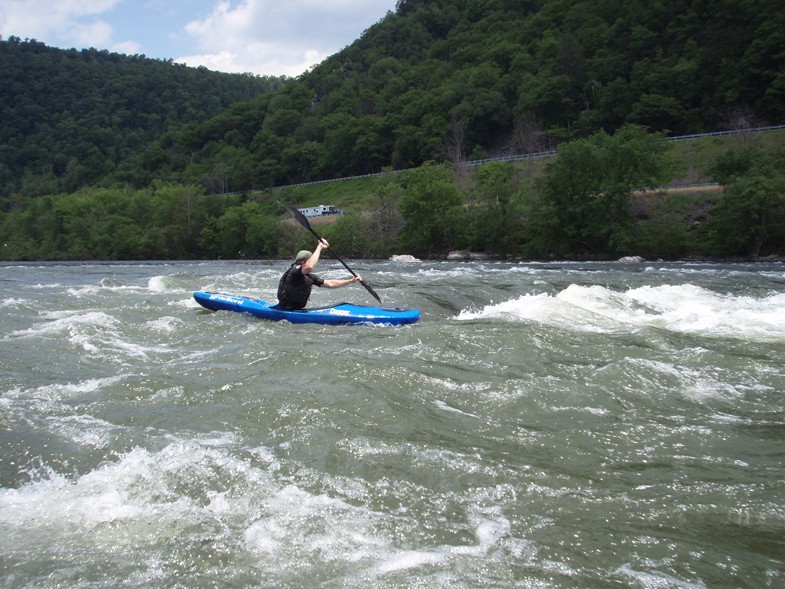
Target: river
point(544, 425)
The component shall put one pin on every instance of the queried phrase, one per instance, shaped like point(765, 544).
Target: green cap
point(303, 255)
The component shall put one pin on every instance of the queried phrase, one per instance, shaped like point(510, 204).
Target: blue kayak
point(334, 315)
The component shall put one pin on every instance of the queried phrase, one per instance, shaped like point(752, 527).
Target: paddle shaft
point(302, 220)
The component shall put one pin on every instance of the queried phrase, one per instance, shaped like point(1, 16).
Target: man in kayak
point(294, 289)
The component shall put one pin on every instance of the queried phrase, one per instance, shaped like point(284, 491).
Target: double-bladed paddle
point(303, 220)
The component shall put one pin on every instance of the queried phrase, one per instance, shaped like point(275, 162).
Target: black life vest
point(294, 288)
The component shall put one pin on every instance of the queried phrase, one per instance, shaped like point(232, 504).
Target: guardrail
point(731, 132)
point(680, 185)
point(525, 156)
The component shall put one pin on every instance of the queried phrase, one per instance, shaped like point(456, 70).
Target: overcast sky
point(266, 37)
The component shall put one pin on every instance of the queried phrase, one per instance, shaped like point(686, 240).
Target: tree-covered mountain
point(450, 79)
point(70, 117)
point(437, 81)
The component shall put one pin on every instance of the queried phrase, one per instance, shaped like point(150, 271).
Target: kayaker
point(294, 288)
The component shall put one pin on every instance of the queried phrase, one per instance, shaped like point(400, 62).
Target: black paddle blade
point(299, 217)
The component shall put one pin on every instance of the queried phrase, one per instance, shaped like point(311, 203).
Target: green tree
point(240, 232)
point(492, 218)
point(171, 217)
point(96, 111)
point(350, 236)
point(588, 188)
point(385, 221)
point(428, 199)
point(751, 212)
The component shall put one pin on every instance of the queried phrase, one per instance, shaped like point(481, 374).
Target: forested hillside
point(449, 79)
point(70, 117)
point(436, 80)
point(137, 170)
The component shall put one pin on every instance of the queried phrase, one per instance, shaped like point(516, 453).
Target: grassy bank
point(671, 222)
point(689, 160)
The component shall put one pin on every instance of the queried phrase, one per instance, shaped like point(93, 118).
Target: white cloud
point(266, 37)
point(273, 37)
point(56, 22)
point(127, 47)
point(95, 34)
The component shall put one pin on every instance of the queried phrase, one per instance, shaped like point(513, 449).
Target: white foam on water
point(404, 258)
point(297, 525)
point(59, 314)
point(408, 559)
point(97, 333)
point(246, 283)
point(477, 270)
point(82, 291)
point(197, 488)
point(68, 322)
point(158, 284)
point(105, 285)
point(491, 530)
point(656, 579)
point(445, 407)
point(71, 507)
point(684, 309)
point(648, 377)
point(693, 309)
point(52, 408)
point(456, 272)
point(12, 302)
point(188, 303)
point(84, 430)
point(145, 497)
point(65, 391)
point(165, 324)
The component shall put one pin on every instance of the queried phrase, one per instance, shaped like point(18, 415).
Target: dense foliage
point(585, 204)
point(588, 188)
point(443, 80)
point(439, 80)
point(751, 215)
point(129, 155)
point(70, 117)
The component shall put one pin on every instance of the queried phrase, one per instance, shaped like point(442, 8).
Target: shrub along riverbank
point(585, 203)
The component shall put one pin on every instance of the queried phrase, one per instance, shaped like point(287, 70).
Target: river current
point(544, 425)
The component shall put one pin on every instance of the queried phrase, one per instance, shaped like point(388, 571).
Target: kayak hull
point(344, 313)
